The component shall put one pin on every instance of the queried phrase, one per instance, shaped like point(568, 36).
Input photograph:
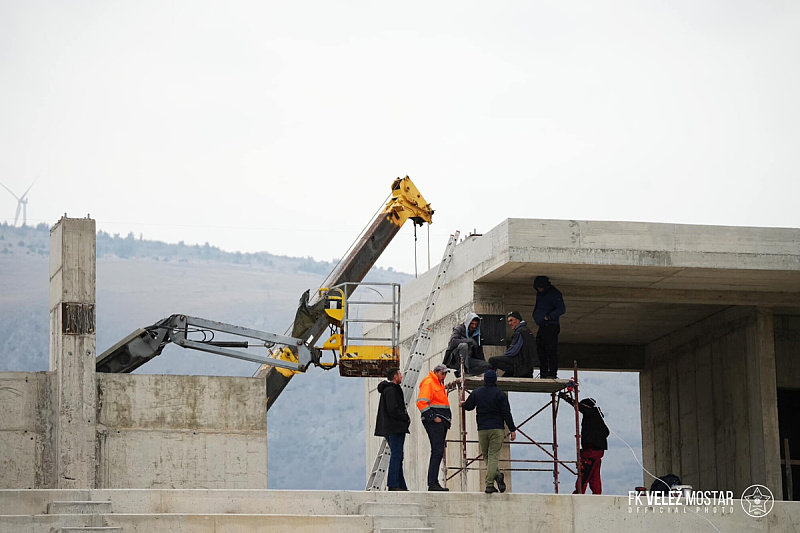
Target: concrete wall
point(26, 451)
point(152, 431)
point(181, 432)
point(709, 403)
point(72, 428)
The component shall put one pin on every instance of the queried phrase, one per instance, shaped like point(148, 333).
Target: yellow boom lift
point(331, 307)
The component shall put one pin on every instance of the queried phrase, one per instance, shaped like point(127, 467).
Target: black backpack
point(664, 484)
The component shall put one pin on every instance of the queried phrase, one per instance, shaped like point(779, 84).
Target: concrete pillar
point(72, 351)
point(765, 467)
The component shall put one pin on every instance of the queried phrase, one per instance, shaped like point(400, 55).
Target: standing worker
point(594, 442)
point(549, 306)
point(392, 423)
point(435, 409)
point(493, 411)
point(517, 362)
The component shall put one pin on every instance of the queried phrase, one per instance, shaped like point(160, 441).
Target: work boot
point(501, 483)
point(397, 488)
point(437, 488)
point(490, 490)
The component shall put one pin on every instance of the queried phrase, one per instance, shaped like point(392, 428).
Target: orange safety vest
point(432, 399)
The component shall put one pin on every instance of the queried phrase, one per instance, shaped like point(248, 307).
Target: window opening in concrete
point(789, 431)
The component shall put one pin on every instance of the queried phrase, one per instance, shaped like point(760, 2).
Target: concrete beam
point(668, 296)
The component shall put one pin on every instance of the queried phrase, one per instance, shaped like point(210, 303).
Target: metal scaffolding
point(551, 386)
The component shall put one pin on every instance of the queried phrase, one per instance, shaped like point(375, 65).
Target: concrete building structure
point(81, 451)
point(72, 428)
point(708, 316)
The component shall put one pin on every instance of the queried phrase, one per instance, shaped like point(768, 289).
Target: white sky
point(279, 126)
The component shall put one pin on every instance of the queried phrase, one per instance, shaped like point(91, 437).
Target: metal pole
point(789, 479)
point(555, 441)
point(577, 425)
point(463, 417)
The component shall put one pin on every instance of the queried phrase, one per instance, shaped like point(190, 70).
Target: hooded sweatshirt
point(549, 303)
point(461, 334)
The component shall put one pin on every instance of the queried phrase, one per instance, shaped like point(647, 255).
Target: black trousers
point(437, 434)
point(472, 365)
point(504, 363)
point(547, 349)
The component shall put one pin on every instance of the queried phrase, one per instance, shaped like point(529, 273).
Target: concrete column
point(72, 351)
point(762, 392)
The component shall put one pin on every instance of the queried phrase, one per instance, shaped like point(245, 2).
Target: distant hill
point(141, 281)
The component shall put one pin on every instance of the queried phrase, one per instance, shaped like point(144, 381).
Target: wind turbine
point(22, 204)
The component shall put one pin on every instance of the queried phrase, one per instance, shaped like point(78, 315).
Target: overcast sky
point(279, 126)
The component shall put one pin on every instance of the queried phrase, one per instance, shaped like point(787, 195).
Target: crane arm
point(405, 204)
point(144, 344)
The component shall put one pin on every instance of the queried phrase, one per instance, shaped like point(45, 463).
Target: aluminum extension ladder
point(419, 349)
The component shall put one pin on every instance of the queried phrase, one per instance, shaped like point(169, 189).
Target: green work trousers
point(491, 441)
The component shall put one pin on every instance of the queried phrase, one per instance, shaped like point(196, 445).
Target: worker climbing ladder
point(419, 349)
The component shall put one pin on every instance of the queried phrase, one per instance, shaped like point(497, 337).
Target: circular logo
point(757, 501)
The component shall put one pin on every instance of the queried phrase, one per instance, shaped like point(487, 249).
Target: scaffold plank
point(521, 384)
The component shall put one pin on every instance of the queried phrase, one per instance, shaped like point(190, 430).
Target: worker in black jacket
point(392, 423)
point(549, 307)
point(493, 411)
point(594, 442)
point(517, 361)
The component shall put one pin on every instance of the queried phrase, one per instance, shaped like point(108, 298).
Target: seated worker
point(517, 362)
point(465, 343)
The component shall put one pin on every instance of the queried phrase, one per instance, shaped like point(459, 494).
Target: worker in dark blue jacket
point(549, 307)
point(517, 361)
point(493, 412)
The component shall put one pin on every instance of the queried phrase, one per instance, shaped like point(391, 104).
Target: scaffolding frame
point(551, 386)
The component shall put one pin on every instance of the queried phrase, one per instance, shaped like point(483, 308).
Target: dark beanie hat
point(541, 282)
point(515, 314)
point(490, 377)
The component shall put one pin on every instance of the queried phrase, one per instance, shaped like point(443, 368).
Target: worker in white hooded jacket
point(465, 342)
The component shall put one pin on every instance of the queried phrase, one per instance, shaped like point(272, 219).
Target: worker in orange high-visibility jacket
point(435, 409)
